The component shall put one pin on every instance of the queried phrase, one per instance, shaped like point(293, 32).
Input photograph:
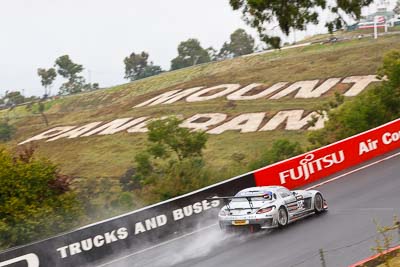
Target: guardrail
point(148, 226)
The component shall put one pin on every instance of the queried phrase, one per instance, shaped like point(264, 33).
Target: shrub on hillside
point(177, 178)
point(280, 150)
point(35, 199)
point(6, 132)
point(103, 197)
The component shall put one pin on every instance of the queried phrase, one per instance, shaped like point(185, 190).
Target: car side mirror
point(294, 193)
point(274, 195)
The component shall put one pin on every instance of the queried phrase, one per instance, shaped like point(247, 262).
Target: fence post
point(321, 255)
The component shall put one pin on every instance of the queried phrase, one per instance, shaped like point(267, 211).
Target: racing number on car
point(300, 204)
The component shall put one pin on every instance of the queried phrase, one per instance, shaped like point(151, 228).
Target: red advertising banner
point(322, 162)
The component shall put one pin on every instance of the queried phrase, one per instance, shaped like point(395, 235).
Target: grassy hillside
point(110, 156)
point(343, 34)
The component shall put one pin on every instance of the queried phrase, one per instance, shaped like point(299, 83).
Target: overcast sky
point(99, 33)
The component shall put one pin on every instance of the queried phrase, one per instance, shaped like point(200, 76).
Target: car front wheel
point(318, 203)
point(282, 217)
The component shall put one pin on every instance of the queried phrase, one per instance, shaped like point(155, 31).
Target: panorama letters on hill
point(218, 123)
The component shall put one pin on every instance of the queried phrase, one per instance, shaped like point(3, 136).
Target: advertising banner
point(322, 162)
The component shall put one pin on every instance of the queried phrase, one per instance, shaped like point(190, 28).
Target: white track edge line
point(353, 171)
point(212, 225)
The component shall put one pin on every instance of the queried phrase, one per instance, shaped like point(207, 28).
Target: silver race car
point(269, 207)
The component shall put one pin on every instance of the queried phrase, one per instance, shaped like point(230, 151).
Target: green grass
point(395, 262)
point(111, 155)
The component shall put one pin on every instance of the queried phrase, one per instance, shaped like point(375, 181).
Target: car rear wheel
point(282, 217)
point(318, 203)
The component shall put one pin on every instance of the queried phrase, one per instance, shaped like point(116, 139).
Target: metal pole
point(321, 255)
point(375, 29)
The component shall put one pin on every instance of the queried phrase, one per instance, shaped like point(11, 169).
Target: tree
point(224, 52)
point(47, 77)
point(190, 53)
point(69, 70)
point(172, 163)
point(166, 136)
point(41, 109)
point(296, 14)
point(38, 106)
point(72, 87)
point(213, 53)
point(14, 98)
point(35, 199)
point(137, 67)
point(240, 44)
point(150, 70)
point(396, 9)
point(6, 131)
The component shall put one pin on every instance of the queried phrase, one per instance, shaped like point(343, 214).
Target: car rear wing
point(227, 200)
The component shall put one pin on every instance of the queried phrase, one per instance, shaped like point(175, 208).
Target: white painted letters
point(76, 132)
point(169, 97)
point(360, 83)
point(245, 123)
point(198, 96)
point(49, 133)
point(240, 94)
point(202, 122)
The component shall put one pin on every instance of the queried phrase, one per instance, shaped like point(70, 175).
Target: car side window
point(283, 193)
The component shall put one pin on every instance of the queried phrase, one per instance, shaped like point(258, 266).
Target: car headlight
point(265, 210)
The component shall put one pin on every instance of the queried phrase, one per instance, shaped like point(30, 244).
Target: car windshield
point(255, 196)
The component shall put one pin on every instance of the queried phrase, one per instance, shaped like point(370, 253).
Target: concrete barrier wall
point(130, 232)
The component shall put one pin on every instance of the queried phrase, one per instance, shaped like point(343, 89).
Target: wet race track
point(346, 232)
